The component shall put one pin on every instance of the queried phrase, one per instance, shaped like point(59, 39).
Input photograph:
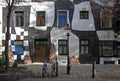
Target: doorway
point(41, 50)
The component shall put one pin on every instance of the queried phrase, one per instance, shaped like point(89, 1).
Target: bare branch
point(7, 1)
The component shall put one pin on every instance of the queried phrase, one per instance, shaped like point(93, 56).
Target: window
point(106, 48)
point(84, 46)
point(19, 18)
point(19, 47)
point(40, 18)
point(118, 49)
point(62, 18)
point(62, 47)
point(118, 26)
point(105, 19)
point(39, 42)
point(84, 15)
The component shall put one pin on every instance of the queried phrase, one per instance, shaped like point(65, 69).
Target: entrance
point(41, 46)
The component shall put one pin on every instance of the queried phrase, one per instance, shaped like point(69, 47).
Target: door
point(41, 54)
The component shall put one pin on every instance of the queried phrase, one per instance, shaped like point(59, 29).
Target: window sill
point(63, 28)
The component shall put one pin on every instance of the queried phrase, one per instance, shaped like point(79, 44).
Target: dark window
point(40, 18)
point(19, 17)
point(19, 47)
point(118, 26)
point(62, 47)
point(106, 48)
point(84, 46)
point(84, 15)
point(41, 42)
point(62, 18)
point(118, 49)
point(105, 19)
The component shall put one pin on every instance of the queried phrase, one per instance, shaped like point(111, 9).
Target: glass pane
point(60, 50)
point(19, 18)
point(84, 14)
point(84, 42)
point(62, 42)
point(86, 49)
point(37, 42)
point(107, 50)
point(107, 43)
point(40, 20)
point(62, 20)
point(62, 13)
point(65, 50)
point(82, 49)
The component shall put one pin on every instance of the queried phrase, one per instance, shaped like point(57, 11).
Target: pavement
point(82, 72)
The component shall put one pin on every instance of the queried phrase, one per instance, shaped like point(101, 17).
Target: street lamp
point(68, 61)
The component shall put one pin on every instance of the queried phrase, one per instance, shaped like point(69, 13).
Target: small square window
point(84, 15)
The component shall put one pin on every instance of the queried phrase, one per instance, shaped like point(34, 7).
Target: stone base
point(74, 60)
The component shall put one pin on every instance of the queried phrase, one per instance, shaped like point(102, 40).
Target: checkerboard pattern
point(16, 33)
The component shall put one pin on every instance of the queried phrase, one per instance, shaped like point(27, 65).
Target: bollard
point(53, 69)
point(44, 70)
point(56, 68)
point(93, 69)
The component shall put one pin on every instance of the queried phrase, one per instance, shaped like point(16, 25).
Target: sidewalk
point(78, 73)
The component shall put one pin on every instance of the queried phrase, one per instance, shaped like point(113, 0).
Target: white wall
point(57, 34)
point(116, 60)
point(49, 8)
point(83, 24)
point(0, 29)
point(106, 35)
point(107, 3)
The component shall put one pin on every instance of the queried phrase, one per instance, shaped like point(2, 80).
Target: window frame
point(105, 15)
point(84, 45)
point(43, 21)
point(58, 19)
point(84, 14)
point(19, 18)
point(63, 52)
point(106, 45)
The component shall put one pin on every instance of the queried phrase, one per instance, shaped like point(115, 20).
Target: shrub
point(2, 60)
point(15, 65)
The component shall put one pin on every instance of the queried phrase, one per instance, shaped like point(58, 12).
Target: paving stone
point(81, 73)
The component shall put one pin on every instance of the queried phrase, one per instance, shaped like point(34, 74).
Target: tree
point(9, 4)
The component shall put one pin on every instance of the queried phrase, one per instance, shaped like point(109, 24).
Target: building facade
point(0, 30)
point(39, 28)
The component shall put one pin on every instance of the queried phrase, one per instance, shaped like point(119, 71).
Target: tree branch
point(12, 3)
point(7, 1)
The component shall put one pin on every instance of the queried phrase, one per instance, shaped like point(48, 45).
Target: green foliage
point(15, 65)
point(2, 60)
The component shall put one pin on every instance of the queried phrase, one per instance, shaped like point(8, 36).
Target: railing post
point(93, 69)
point(56, 67)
